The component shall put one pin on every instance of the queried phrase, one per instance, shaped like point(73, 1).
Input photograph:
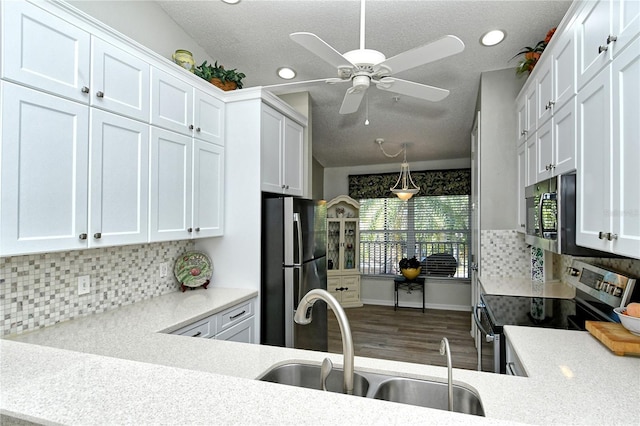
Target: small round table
point(401, 283)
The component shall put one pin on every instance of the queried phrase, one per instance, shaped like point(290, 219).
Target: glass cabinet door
point(333, 244)
point(350, 231)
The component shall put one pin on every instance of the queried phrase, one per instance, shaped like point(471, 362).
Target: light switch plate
point(84, 285)
point(164, 270)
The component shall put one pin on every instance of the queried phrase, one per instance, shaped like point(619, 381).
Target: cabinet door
point(119, 81)
point(564, 139)
point(626, 152)
point(544, 151)
point(171, 102)
point(292, 163)
point(626, 23)
point(522, 183)
point(351, 289)
point(119, 192)
point(594, 152)
point(531, 99)
point(243, 332)
point(564, 69)
point(44, 167)
point(208, 118)
point(333, 284)
point(270, 149)
point(521, 111)
point(593, 26)
point(43, 51)
point(545, 91)
point(531, 156)
point(208, 189)
point(170, 186)
point(333, 244)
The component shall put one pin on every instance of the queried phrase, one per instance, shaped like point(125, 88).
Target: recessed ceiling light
point(286, 73)
point(492, 38)
point(231, 1)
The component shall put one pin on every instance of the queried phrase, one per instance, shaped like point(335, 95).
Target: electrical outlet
point(164, 270)
point(84, 285)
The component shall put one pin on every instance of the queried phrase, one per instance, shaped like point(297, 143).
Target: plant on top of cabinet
point(220, 77)
point(532, 54)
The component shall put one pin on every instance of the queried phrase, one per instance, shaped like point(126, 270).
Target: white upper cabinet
point(170, 186)
point(119, 81)
point(556, 144)
point(119, 191)
point(171, 102)
point(281, 153)
point(626, 23)
point(522, 183)
point(544, 92)
point(594, 36)
point(208, 189)
point(44, 167)
point(564, 70)
point(43, 51)
point(521, 111)
point(208, 118)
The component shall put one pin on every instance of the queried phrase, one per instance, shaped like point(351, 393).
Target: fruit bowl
point(630, 323)
point(410, 273)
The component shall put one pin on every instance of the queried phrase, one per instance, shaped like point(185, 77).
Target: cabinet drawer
point(234, 315)
point(203, 328)
point(240, 332)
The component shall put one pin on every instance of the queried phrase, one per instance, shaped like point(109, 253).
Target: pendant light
point(404, 188)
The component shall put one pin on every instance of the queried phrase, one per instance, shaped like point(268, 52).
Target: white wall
point(146, 23)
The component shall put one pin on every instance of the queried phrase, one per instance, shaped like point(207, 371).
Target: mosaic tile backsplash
point(41, 290)
point(504, 254)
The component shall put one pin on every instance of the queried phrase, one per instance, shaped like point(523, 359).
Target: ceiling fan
point(365, 66)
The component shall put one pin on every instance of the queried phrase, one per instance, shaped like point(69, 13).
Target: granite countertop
point(117, 368)
point(519, 286)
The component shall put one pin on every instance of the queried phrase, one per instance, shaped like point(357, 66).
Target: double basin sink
point(423, 393)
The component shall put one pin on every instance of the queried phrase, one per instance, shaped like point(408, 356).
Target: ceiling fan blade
point(320, 48)
point(297, 86)
point(410, 88)
point(352, 100)
point(431, 52)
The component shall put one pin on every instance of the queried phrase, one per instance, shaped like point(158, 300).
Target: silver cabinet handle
point(197, 129)
point(198, 229)
point(97, 235)
point(602, 49)
point(523, 133)
point(84, 89)
point(605, 236)
point(82, 236)
point(612, 237)
point(190, 126)
point(549, 105)
point(611, 39)
point(189, 229)
point(100, 94)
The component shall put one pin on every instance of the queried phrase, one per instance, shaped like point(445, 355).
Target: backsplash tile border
point(41, 290)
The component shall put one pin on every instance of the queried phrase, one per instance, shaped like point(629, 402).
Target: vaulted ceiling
point(253, 37)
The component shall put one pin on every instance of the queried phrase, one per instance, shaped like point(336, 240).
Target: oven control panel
point(613, 288)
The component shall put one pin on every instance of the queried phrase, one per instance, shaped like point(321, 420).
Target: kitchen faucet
point(444, 348)
point(303, 317)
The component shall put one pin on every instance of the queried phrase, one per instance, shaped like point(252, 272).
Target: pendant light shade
point(404, 188)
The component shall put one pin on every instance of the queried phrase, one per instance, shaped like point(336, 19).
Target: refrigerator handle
point(298, 265)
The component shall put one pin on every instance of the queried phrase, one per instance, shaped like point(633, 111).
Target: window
point(434, 227)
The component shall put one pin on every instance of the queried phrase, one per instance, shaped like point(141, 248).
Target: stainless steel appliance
point(293, 262)
point(551, 217)
point(598, 291)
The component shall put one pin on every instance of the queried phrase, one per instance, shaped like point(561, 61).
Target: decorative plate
point(193, 269)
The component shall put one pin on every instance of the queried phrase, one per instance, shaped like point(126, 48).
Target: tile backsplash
point(41, 290)
point(504, 253)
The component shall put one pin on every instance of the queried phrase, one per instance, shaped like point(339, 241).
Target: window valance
point(430, 182)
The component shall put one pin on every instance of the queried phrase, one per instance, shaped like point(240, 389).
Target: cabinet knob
point(602, 49)
point(100, 94)
point(82, 236)
point(97, 235)
point(197, 129)
point(612, 237)
point(84, 89)
point(523, 133)
point(198, 229)
point(611, 39)
point(189, 229)
point(604, 236)
point(190, 126)
point(549, 105)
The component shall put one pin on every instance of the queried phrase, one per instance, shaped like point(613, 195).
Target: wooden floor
point(407, 335)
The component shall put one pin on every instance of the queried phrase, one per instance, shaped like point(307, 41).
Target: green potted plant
point(410, 268)
point(219, 76)
point(532, 54)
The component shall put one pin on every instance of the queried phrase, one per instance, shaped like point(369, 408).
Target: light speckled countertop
point(518, 286)
point(116, 368)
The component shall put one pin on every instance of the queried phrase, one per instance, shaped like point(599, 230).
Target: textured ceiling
point(253, 36)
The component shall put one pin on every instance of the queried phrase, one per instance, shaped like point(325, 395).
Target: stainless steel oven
point(489, 341)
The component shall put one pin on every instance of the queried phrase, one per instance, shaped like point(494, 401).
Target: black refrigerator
point(293, 262)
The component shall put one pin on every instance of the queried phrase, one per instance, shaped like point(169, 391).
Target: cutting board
point(615, 337)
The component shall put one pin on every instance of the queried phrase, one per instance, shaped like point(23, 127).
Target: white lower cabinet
point(235, 324)
point(514, 366)
point(346, 290)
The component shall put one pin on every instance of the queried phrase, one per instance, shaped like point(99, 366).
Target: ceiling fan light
point(492, 37)
point(231, 1)
point(286, 73)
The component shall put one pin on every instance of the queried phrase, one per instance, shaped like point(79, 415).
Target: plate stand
point(184, 287)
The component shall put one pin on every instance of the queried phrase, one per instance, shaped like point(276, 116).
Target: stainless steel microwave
point(551, 217)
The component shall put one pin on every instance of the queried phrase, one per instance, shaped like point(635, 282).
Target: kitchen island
point(121, 367)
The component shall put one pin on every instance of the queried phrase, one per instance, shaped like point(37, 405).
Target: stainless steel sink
point(308, 376)
point(423, 393)
point(428, 394)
